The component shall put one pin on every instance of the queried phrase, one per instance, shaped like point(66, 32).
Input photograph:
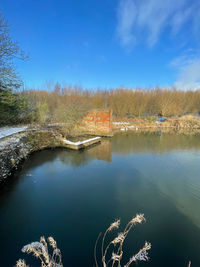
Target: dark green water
point(75, 195)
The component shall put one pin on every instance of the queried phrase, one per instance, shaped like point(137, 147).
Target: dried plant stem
point(119, 241)
point(130, 224)
point(106, 250)
point(103, 240)
point(95, 249)
point(40, 251)
point(141, 255)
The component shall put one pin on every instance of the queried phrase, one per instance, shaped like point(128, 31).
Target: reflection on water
point(101, 151)
point(179, 163)
point(154, 143)
point(73, 195)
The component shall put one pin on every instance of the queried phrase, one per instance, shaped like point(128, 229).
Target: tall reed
point(117, 245)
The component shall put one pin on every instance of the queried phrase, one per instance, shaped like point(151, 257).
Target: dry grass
point(117, 245)
point(40, 250)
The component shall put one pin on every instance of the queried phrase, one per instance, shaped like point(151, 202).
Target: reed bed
point(50, 255)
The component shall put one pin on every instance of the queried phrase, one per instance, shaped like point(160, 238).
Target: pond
point(74, 195)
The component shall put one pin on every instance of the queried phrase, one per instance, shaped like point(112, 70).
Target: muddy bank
point(186, 125)
point(158, 130)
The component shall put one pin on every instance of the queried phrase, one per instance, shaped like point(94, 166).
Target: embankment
point(186, 124)
point(16, 148)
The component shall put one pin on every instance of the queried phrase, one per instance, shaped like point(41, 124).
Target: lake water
point(74, 195)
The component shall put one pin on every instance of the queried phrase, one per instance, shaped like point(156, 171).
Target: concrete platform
point(81, 144)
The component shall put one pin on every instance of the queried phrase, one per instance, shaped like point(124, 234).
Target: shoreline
point(16, 148)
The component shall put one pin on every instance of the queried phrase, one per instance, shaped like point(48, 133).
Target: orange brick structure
point(99, 122)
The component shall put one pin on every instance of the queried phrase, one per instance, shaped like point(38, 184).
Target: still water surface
point(74, 195)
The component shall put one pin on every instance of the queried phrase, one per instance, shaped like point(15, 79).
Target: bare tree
point(9, 50)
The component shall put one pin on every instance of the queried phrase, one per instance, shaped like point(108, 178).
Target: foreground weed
point(40, 250)
point(117, 245)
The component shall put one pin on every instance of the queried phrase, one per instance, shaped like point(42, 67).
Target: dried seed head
point(114, 225)
point(38, 249)
point(116, 257)
point(42, 239)
point(142, 255)
point(21, 263)
point(52, 242)
point(139, 218)
point(118, 239)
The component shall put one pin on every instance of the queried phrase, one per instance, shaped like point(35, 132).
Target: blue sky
point(107, 43)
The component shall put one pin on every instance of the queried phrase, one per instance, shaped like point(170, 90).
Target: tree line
point(68, 103)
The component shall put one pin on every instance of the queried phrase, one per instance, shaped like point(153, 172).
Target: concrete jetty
point(81, 144)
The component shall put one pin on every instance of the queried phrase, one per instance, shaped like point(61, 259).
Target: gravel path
point(7, 131)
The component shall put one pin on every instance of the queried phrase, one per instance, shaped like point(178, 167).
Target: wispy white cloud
point(145, 20)
point(126, 21)
point(188, 71)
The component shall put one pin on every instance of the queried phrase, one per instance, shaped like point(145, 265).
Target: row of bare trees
point(70, 103)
